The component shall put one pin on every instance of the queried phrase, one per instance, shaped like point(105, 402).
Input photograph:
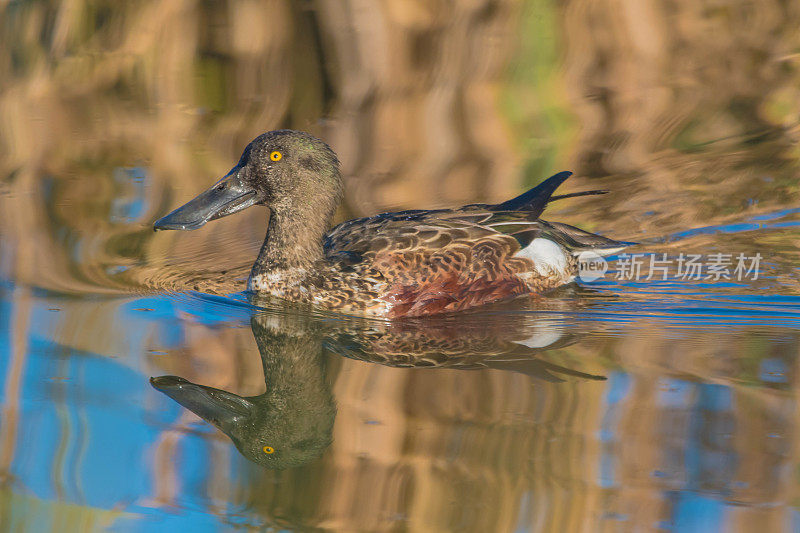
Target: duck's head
point(289, 171)
point(265, 433)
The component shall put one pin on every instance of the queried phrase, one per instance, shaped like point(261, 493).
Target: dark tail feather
point(535, 200)
point(574, 194)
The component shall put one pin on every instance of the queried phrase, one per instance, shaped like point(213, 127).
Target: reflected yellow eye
point(270, 449)
point(275, 156)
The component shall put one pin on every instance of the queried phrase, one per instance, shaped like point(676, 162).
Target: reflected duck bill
point(216, 406)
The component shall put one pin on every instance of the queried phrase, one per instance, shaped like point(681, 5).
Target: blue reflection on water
point(130, 203)
point(93, 403)
point(617, 388)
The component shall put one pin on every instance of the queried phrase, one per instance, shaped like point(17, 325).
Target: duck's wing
point(427, 230)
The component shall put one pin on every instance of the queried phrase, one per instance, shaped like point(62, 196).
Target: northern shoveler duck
point(406, 263)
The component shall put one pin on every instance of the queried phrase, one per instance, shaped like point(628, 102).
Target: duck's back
point(448, 260)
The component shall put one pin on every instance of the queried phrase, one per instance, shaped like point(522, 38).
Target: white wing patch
point(549, 258)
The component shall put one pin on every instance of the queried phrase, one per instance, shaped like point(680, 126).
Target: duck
point(409, 263)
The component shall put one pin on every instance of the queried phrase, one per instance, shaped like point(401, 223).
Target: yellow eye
point(275, 156)
point(270, 449)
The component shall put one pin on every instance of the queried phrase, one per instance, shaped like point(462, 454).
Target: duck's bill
point(221, 408)
point(229, 195)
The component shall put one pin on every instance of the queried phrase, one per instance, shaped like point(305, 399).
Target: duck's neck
point(292, 360)
point(293, 241)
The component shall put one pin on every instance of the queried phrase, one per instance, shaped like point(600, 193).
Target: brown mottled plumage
point(408, 263)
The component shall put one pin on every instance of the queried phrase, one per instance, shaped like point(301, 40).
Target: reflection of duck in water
point(409, 263)
point(501, 337)
point(291, 423)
